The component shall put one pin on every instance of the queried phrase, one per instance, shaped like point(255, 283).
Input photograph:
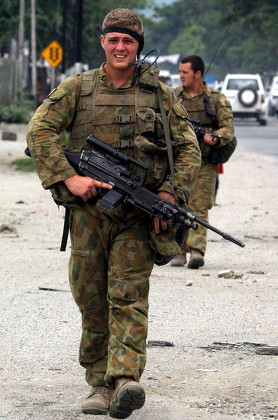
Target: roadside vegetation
point(23, 165)
point(18, 111)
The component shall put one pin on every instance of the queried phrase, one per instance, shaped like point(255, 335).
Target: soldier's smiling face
point(120, 49)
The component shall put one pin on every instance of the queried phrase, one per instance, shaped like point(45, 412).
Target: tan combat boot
point(98, 401)
point(196, 259)
point(178, 261)
point(128, 396)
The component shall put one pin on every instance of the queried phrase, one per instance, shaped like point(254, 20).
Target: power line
point(221, 42)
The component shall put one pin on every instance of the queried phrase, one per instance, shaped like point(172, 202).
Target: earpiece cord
point(139, 63)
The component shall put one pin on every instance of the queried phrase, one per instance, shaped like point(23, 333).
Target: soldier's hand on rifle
point(85, 187)
point(158, 224)
point(211, 140)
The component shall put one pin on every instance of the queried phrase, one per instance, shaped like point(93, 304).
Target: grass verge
point(24, 165)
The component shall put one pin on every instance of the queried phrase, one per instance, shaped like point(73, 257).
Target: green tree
point(189, 41)
point(49, 24)
point(188, 27)
point(256, 38)
point(9, 11)
point(231, 35)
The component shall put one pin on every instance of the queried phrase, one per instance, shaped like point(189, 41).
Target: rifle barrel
point(219, 232)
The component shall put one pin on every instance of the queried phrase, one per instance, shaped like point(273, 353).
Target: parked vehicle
point(172, 80)
point(247, 96)
point(165, 76)
point(273, 97)
point(175, 80)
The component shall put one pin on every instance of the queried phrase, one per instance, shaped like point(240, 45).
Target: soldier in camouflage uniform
point(112, 254)
point(214, 112)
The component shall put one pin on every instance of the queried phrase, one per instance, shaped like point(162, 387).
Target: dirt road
point(216, 368)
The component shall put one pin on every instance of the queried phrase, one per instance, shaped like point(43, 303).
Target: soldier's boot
point(128, 396)
point(178, 261)
point(196, 259)
point(98, 402)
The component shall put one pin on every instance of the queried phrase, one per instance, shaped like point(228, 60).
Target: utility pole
point(64, 33)
point(34, 50)
point(77, 57)
point(21, 43)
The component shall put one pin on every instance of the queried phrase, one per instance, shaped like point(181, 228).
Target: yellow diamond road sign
point(53, 53)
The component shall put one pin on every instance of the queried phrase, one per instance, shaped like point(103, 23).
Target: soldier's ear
point(198, 74)
point(102, 40)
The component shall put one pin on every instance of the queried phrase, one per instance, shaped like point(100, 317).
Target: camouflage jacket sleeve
point(224, 116)
point(187, 155)
point(43, 132)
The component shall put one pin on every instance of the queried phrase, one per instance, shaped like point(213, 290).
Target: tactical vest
point(203, 109)
point(127, 119)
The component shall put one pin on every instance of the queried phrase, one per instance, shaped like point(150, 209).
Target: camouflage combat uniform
point(111, 253)
point(221, 123)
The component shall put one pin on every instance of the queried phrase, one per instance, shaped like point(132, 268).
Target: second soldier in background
point(214, 112)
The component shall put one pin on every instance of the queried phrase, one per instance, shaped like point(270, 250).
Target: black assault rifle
point(106, 164)
point(200, 129)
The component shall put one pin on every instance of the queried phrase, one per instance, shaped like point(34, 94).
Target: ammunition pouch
point(155, 158)
point(166, 244)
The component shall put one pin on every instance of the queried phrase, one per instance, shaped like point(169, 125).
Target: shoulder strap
point(168, 141)
point(148, 77)
point(88, 80)
point(89, 83)
point(210, 112)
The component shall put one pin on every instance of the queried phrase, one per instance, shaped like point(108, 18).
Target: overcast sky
point(159, 3)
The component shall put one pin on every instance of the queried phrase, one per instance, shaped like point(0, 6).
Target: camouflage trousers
point(200, 202)
point(109, 272)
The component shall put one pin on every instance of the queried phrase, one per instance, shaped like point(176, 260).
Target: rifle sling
point(168, 142)
point(65, 234)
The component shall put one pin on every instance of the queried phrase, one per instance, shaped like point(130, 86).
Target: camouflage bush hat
point(127, 22)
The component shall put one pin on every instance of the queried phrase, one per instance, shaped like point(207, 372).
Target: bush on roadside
point(19, 111)
point(24, 164)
